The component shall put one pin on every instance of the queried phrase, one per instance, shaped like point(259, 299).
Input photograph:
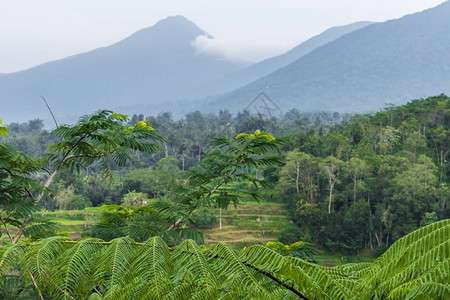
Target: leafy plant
point(217, 180)
point(94, 139)
point(415, 267)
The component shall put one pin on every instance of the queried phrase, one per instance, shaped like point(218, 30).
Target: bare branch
point(53, 116)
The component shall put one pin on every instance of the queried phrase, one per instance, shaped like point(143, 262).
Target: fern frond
point(72, 272)
point(236, 277)
point(411, 260)
point(114, 261)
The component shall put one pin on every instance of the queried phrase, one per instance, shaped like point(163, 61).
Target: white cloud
point(236, 51)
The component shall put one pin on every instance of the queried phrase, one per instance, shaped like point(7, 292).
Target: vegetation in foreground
point(415, 267)
point(334, 210)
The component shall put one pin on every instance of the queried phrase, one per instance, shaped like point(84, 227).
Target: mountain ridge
point(155, 64)
point(389, 62)
point(269, 65)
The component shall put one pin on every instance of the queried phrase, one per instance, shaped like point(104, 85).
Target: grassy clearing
point(72, 221)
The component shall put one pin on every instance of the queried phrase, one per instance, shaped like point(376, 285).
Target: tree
point(95, 138)
point(214, 182)
point(301, 169)
point(331, 166)
point(338, 144)
point(166, 174)
point(417, 186)
point(3, 130)
point(416, 142)
point(64, 196)
point(357, 169)
point(139, 223)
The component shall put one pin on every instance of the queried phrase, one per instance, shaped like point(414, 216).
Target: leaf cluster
point(99, 137)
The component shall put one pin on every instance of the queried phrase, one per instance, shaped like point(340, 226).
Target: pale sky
point(33, 32)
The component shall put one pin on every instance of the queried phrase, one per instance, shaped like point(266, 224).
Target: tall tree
point(357, 169)
point(331, 166)
point(213, 181)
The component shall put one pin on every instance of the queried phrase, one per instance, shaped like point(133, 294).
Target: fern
point(415, 267)
point(418, 258)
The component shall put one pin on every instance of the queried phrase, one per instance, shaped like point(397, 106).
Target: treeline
point(351, 182)
point(186, 143)
point(371, 181)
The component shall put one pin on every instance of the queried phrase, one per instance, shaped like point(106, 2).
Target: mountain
point(267, 66)
point(251, 73)
point(153, 66)
point(390, 62)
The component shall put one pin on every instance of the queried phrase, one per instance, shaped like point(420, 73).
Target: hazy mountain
point(154, 65)
point(389, 62)
point(267, 66)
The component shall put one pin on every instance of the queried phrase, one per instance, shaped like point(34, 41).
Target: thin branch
point(53, 116)
point(21, 230)
point(79, 156)
point(284, 284)
point(6, 229)
point(98, 292)
point(180, 220)
point(47, 170)
point(35, 285)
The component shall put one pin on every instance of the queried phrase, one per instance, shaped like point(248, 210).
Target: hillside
point(154, 65)
point(249, 74)
point(388, 62)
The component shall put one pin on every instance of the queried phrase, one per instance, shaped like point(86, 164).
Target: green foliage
point(299, 249)
point(290, 234)
point(3, 130)
point(94, 139)
point(98, 137)
point(139, 223)
point(17, 186)
point(428, 219)
point(12, 287)
point(134, 199)
point(415, 267)
point(204, 218)
point(225, 175)
point(395, 160)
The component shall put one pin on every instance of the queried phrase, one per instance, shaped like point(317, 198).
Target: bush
point(78, 202)
point(290, 235)
point(205, 218)
point(378, 251)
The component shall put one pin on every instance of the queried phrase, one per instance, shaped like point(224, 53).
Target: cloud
point(236, 51)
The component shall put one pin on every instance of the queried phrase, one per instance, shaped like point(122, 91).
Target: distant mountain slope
point(393, 62)
point(154, 65)
point(243, 77)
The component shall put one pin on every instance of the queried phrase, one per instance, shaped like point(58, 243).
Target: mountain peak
point(174, 30)
point(178, 23)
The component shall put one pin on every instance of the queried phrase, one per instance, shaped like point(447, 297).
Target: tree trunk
point(220, 218)
point(331, 196)
point(27, 218)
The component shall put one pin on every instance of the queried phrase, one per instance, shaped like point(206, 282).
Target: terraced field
point(248, 224)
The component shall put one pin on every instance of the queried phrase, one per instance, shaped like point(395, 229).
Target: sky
point(33, 32)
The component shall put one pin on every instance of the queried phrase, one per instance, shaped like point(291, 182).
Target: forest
point(352, 182)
